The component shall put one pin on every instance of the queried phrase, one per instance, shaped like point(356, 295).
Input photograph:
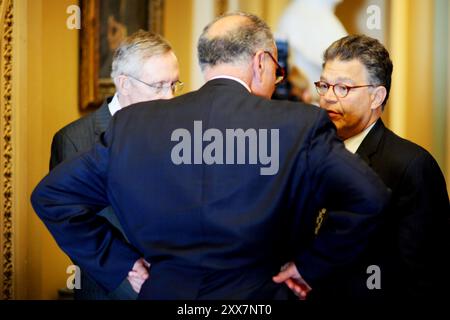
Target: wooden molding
point(6, 160)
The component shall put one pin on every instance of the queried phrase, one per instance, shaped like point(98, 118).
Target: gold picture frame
point(104, 24)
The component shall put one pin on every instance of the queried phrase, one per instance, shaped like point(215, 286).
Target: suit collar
point(234, 79)
point(224, 82)
point(102, 117)
point(371, 142)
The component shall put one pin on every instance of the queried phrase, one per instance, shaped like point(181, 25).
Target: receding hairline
point(227, 24)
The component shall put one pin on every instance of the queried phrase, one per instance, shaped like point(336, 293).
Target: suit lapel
point(102, 117)
point(370, 144)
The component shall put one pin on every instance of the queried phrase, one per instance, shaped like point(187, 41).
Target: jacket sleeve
point(353, 195)
point(67, 201)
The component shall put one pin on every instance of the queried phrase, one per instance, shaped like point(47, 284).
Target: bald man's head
point(233, 39)
point(226, 24)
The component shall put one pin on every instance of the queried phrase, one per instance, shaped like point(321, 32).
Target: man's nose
point(330, 96)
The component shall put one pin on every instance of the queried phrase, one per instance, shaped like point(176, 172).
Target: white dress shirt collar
point(352, 144)
point(114, 105)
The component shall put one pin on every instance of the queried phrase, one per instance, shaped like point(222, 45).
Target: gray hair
point(134, 50)
point(236, 46)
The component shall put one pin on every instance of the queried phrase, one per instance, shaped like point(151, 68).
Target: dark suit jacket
point(69, 141)
point(412, 246)
point(212, 231)
point(79, 135)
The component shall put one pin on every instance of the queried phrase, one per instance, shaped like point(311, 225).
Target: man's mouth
point(333, 114)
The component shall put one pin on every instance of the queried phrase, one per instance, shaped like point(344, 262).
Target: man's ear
point(123, 85)
point(378, 96)
point(258, 65)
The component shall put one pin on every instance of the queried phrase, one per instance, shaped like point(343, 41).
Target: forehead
point(161, 66)
point(164, 60)
point(339, 70)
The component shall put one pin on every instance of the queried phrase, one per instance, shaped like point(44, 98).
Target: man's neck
point(123, 100)
point(229, 71)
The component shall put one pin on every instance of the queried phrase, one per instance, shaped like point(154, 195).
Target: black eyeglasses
point(280, 74)
point(340, 90)
point(176, 86)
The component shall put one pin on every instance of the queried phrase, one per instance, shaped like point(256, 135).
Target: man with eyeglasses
point(144, 68)
point(411, 250)
point(212, 222)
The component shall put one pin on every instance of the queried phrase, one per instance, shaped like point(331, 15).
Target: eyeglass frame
point(176, 86)
point(281, 77)
point(348, 88)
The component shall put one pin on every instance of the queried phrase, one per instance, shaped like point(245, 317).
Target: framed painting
point(105, 23)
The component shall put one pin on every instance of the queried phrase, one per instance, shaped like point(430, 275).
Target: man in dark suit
point(217, 188)
point(409, 255)
point(144, 68)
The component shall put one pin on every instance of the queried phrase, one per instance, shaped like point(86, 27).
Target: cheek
point(322, 102)
point(353, 114)
point(271, 90)
point(144, 95)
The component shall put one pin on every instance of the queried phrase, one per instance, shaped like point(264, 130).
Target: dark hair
point(370, 52)
point(237, 45)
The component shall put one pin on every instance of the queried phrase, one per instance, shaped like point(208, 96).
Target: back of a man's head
point(233, 39)
point(134, 50)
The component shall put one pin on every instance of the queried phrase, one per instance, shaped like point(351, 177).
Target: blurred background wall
point(40, 68)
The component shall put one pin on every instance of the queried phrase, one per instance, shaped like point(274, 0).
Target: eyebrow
point(339, 79)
